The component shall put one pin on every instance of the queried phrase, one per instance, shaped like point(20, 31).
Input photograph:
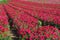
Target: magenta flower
point(40, 33)
point(25, 18)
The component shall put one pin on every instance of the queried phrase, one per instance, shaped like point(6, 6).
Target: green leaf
point(0, 37)
point(3, 1)
point(23, 39)
point(7, 38)
point(48, 39)
point(40, 23)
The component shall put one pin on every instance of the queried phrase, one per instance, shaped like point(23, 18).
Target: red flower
point(25, 17)
point(43, 32)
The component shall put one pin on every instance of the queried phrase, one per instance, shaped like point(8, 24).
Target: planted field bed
point(25, 20)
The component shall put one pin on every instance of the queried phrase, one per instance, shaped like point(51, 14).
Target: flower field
point(26, 20)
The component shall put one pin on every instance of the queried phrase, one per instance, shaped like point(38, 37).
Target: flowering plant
point(41, 33)
point(28, 19)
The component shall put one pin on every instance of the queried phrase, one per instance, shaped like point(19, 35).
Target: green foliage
point(48, 39)
point(3, 1)
point(40, 23)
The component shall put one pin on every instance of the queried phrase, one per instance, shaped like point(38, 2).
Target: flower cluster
point(17, 17)
point(41, 33)
point(3, 17)
point(54, 6)
point(46, 14)
point(26, 20)
point(4, 31)
point(4, 24)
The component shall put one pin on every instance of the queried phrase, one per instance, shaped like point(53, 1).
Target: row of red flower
point(40, 33)
point(36, 4)
point(21, 16)
point(28, 29)
point(45, 14)
point(4, 24)
point(32, 33)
